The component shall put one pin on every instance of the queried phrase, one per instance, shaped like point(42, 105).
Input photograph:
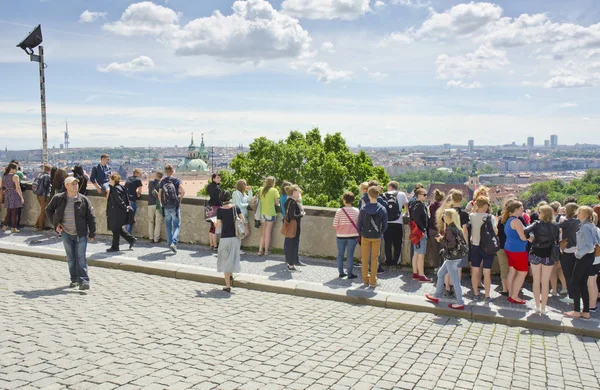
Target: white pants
point(155, 222)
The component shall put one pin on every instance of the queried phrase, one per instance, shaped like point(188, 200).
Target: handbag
point(353, 224)
point(460, 251)
point(289, 228)
point(210, 212)
point(597, 251)
point(555, 252)
point(415, 233)
point(253, 204)
point(240, 228)
point(563, 244)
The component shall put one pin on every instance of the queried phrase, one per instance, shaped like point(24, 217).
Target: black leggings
point(567, 262)
point(11, 218)
point(579, 280)
point(122, 233)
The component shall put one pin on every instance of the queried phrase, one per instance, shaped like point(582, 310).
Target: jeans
point(155, 221)
point(75, 248)
point(172, 219)
point(346, 245)
point(133, 205)
point(393, 237)
point(449, 267)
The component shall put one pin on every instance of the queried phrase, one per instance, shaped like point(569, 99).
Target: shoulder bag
point(290, 227)
point(240, 228)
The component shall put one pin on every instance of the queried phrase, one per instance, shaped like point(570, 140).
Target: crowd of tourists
point(552, 243)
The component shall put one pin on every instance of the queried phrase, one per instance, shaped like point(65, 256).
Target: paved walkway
point(319, 271)
point(135, 331)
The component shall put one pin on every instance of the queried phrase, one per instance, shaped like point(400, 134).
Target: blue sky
point(383, 72)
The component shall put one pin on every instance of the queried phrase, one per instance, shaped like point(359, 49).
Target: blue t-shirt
point(513, 241)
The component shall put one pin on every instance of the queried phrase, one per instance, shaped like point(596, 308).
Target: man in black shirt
point(134, 192)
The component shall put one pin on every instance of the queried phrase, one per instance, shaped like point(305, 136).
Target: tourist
point(82, 177)
point(13, 197)
point(345, 224)
point(241, 198)
point(455, 249)
point(393, 236)
point(420, 217)
point(501, 254)
point(214, 193)
point(587, 239)
point(155, 214)
point(413, 197)
point(118, 213)
point(382, 201)
point(283, 196)
point(42, 191)
point(72, 216)
point(133, 185)
point(58, 182)
point(269, 199)
point(568, 230)
point(516, 250)
point(480, 259)
point(294, 211)
point(100, 176)
point(545, 233)
point(480, 192)
point(594, 270)
point(372, 222)
point(362, 188)
point(557, 272)
point(228, 257)
point(433, 244)
point(170, 194)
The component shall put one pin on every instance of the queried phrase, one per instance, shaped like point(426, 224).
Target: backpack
point(489, 242)
point(170, 197)
point(38, 184)
point(393, 209)
point(371, 226)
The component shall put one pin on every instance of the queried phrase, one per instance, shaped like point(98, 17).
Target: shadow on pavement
point(214, 294)
point(33, 294)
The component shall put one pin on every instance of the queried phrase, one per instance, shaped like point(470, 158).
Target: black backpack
point(39, 183)
point(393, 209)
point(371, 226)
point(488, 242)
point(170, 197)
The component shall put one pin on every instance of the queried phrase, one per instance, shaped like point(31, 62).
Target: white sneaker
point(173, 248)
point(563, 291)
point(242, 253)
point(537, 310)
point(567, 300)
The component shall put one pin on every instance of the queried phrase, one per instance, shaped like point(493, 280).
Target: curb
point(318, 291)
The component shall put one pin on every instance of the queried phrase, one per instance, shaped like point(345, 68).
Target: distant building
point(447, 147)
point(471, 148)
point(196, 160)
point(546, 143)
point(445, 188)
point(554, 140)
point(530, 142)
point(497, 179)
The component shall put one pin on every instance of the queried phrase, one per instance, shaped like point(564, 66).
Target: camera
point(257, 223)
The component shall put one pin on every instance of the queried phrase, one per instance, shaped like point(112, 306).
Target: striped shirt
point(343, 226)
point(68, 222)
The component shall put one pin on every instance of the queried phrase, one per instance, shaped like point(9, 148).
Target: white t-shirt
point(597, 259)
point(476, 223)
point(402, 200)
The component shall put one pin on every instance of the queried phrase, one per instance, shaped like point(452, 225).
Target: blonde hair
point(452, 214)
point(363, 186)
point(115, 177)
point(510, 207)
point(241, 185)
point(373, 191)
point(481, 191)
point(546, 213)
point(588, 211)
point(137, 171)
point(290, 189)
point(454, 196)
point(269, 183)
point(555, 206)
point(481, 202)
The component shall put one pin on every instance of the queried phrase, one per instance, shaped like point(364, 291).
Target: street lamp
point(33, 40)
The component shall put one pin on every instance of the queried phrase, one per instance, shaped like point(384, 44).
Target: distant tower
point(66, 135)
point(546, 143)
point(471, 146)
point(554, 140)
point(530, 142)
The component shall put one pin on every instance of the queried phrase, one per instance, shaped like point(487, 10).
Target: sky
point(381, 72)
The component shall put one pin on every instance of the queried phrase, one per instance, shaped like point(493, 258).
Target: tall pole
point(43, 99)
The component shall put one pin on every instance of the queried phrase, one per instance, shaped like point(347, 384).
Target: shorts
point(518, 260)
point(594, 270)
point(535, 260)
point(268, 218)
point(422, 249)
point(478, 255)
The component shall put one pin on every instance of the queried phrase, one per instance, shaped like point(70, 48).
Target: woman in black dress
point(117, 213)
point(293, 210)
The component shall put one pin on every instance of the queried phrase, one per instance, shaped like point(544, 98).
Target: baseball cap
point(70, 180)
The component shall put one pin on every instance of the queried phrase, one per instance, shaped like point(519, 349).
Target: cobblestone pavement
point(273, 267)
point(140, 331)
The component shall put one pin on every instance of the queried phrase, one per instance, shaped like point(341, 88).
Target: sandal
point(267, 253)
point(292, 268)
point(573, 314)
point(456, 306)
point(260, 253)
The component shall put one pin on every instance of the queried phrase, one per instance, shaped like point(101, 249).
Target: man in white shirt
point(393, 235)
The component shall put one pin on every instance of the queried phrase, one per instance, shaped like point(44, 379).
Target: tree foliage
point(323, 167)
point(434, 176)
point(585, 190)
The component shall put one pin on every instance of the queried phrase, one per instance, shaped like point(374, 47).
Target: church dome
point(195, 160)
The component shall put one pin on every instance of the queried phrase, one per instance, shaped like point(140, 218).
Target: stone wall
point(317, 237)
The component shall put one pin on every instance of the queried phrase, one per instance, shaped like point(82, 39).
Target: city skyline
point(393, 72)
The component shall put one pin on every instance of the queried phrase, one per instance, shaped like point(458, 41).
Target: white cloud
point(328, 47)
point(527, 96)
point(140, 64)
point(567, 82)
point(396, 37)
point(145, 18)
point(254, 32)
point(460, 20)
point(592, 53)
point(90, 17)
point(326, 9)
point(375, 75)
point(461, 84)
point(325, 74)
point(567, 105)
point(483, 59)
point(380, 4)
point(411, 3)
